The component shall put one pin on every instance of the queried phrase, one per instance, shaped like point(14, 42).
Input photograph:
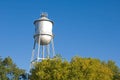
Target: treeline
point(9, 70)
point(60, 69)
point(77, 69)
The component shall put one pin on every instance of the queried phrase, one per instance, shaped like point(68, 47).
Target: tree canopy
point(60, 69)
point(77, 69)
point(9, 69)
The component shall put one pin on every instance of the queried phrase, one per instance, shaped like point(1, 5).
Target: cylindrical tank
point(43, 29)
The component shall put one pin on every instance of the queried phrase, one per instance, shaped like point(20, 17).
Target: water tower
point(43, 39)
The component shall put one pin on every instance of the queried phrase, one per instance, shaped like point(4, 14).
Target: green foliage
point(7, 66)
point(115, 69)
point(77, 69)
point(89, 69)
point(50, 70)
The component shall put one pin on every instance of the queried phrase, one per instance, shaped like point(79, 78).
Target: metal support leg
point(48, 53)
point(42, 52)
point(53, 51)
point(38, 54)
point(32, 58)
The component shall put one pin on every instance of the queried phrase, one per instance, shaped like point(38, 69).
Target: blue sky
point(87, 28)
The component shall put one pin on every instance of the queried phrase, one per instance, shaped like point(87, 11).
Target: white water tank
point(43, 29)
